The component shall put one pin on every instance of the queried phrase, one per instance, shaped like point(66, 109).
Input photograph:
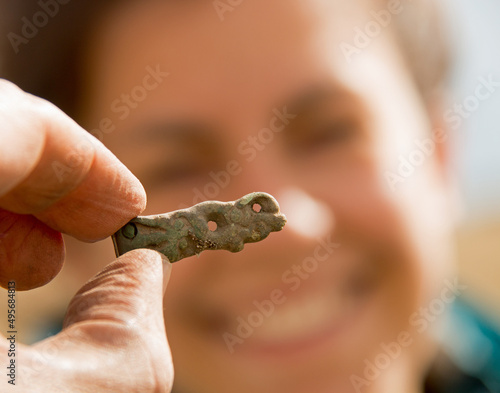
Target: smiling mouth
point(306, 320)
point(311, 320)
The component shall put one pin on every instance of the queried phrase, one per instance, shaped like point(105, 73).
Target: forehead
point(261, 50)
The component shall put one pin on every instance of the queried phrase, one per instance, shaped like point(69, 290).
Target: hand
point(54, 177)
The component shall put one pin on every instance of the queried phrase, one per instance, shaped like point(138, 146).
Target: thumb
point(115, 324)
point(114, 337)
point(129, 291)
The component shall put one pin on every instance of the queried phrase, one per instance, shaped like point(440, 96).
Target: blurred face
point(200, 108)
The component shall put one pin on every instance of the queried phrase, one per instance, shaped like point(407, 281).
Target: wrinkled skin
point(383, 253)
point(348, 123)
point(116, 313)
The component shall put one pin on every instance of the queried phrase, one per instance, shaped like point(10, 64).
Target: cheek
point(185, 277)
point(188, 283)
point(372, 220)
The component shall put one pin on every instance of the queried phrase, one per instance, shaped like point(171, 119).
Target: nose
point(311, 220)
point(307, 215)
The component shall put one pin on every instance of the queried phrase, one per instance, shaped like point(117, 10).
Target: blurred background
point(476, 31)
point(476, 162)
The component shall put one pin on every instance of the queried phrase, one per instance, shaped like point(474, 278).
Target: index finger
point(54, 170)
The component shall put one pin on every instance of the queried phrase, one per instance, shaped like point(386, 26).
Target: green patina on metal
point(183, 233)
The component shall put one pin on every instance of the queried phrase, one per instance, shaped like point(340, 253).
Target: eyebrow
point(186, 130)
point(181, 130)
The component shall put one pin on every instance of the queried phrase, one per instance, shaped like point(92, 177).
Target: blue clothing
point(470, 362)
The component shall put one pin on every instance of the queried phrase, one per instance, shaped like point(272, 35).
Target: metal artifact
point(210, 225)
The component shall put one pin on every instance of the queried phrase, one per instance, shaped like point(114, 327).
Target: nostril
point(212, 226)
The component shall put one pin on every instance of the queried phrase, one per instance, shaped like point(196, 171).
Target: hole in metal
point(129, 231)
point(256, 207)
point(212, 226)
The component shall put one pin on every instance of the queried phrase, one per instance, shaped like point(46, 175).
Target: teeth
point(298, 318)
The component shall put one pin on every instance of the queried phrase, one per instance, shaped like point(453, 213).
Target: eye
point(326, 135)
point(333, 132)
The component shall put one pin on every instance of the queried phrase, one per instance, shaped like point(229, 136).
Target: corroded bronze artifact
point(210, 225)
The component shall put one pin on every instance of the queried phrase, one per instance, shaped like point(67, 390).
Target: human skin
point(393, 246)
point(118, 311)
point(225, 79)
